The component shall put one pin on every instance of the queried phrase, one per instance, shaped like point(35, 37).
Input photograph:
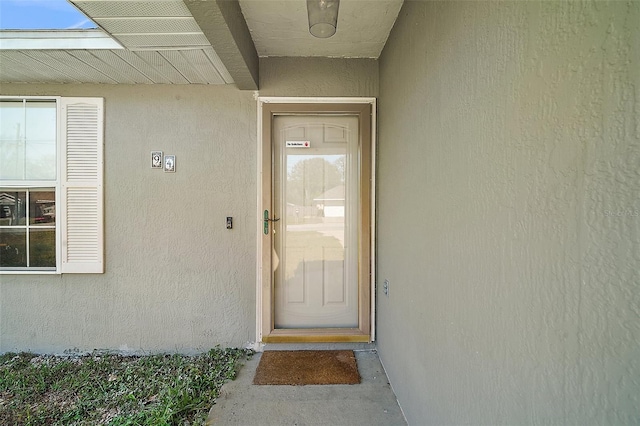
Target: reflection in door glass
point(315, 188)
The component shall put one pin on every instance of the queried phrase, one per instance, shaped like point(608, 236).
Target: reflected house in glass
point(13, 208)
point(44, 211)
point(42, 208)
point(9, 208)
point(331, 203)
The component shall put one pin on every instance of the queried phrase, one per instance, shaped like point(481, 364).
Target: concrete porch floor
point(372, 402)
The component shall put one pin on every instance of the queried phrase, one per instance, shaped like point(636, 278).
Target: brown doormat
point(307, 368)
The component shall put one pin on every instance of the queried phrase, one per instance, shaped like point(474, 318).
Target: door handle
point(266, 219)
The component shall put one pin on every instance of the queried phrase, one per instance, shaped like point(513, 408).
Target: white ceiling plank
point(14, 73)
point(57, 40)
point(155, 25)
point(161, 41)
point(217, 62)
point(83, 72)
point(162, 66)
point(200, 62)
point(142, 66)
point(100, 8)
point(88, 58)
point(19, 64)
point(122, 66)
point(180, 63)
point(38, 62)
point(10, 76)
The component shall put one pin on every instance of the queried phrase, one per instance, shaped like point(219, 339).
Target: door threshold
point(316, 335)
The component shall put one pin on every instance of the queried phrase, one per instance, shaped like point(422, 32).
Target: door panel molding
point(365, 109)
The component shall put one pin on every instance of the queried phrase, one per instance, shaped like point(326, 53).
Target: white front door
point(315, 194)
point(316, 235)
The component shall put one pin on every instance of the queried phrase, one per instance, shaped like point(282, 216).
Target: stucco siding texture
point(175, 278)
point(509, 212)
point(323, 77)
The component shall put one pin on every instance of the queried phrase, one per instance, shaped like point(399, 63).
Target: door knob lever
point(266, 220)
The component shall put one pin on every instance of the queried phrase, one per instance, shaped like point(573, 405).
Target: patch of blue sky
point(42, 15)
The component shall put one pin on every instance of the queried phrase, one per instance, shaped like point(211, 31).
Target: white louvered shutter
point(82, 185)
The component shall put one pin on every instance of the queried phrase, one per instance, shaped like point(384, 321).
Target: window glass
point(41, 121)
point(42, 248)
point(39, 205)
point(13, 208)
point(28, 140)
point(12, 120)
point(42, 208)
point(13, 248)
point(40, 141)
point(12, 135)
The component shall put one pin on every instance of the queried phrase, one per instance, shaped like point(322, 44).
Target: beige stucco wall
point(176, 279)
point(509, 212)
point(318, 77)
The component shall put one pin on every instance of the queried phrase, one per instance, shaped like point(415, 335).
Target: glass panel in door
point(316, 239)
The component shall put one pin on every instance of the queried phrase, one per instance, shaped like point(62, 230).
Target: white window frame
point(79, 190)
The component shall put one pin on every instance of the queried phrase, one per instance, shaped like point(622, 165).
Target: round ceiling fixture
point(323, 17)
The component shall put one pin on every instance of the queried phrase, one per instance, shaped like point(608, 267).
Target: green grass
point(106, 389)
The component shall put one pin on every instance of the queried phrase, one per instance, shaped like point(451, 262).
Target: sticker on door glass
point(298, 144)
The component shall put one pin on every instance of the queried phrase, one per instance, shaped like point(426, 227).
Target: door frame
point(265, 331)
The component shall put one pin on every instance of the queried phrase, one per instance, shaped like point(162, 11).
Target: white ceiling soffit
point(162, 44)
point(146, 25)
point(57, 39)
point(280, 28)
point(112, 66)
